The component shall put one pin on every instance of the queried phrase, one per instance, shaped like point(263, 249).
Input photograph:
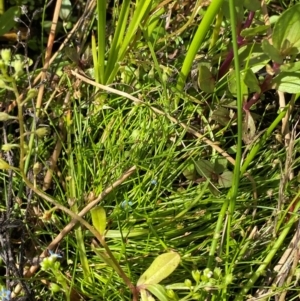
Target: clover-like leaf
point(190, 172)
point(225, 180)
point(221, 115)
point(204, 168)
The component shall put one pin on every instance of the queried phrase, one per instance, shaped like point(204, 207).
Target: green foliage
point(7, 20)
point(160, 269)
point(188, 106)
point(99, 219)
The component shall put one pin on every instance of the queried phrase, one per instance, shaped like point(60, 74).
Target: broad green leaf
point(7, 21)
point(99, 219)
point(158, 291)
point(272, 52)
point(251, 81)
point(290, 67)
point(225, 179)
point(249, 128)
point(252, 56)
point(287, 82)
point(65, 11)
point(286, 33)
point(206, 80)
point(232, 84)
point(190, 172)
point(161, 268)
point(220, 165)
point(221, 115)
point(204, 168)
point(238, 9)
point(252, 5)
point(250, 32)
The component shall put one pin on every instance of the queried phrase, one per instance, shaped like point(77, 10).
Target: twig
point(89, 8)
point(85, 210)
point(48, 55)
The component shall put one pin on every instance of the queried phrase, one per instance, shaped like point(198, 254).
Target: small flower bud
point(37, 167)
point(42, 132)
point(188, 283)
point(6, 55)
point(4, 165)
point(196, 275)
point(25, 147)
point(32, 93)
point(2, 84)
point(2, 65)
point(228, 279)
point(171, 294)
point(46, 264)
point(55, 288)
point(7, 147)
point(4, 116)
point(47, 215)
point(18, 65)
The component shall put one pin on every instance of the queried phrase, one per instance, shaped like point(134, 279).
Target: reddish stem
point(240, 41)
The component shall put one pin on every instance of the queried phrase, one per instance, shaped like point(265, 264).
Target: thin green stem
point(100, 237)
point(233, 192)
point(2, 7)
point(101, 29)
point(21, 125)
point(271, 253)
point(202, 30)
point(263, 140)
point(231, 198)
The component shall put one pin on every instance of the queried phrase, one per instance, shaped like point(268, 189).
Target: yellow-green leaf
point(161, 268)
point(99, 219)
point(286, 34)
point(158, 291)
